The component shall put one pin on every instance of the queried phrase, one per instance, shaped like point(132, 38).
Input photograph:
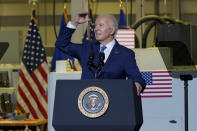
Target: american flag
point(33, 76)
point(126, 37)
point(89, 34)
point(159, 84)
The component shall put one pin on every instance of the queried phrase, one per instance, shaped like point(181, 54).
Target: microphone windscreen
point(91, 56)
point(101, 56)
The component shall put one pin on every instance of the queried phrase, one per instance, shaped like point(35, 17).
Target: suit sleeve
point(64, 43)
point(132, 70)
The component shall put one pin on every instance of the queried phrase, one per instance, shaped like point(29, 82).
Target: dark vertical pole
point(165, 8)
point(186, 103)
point(131, 17)
point(156, 12)
point(89, 15)
point(127, 13)
point(156, 7)
point(186, 78)
point(180, 9)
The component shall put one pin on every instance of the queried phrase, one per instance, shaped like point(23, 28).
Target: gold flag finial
point(120, 3)
point(33, 2)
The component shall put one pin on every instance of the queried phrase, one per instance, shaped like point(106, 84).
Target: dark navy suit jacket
point(121, 63)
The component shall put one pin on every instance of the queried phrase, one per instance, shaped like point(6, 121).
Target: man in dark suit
point(117, 62)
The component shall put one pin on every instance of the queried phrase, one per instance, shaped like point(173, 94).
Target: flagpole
point(127, 18)
point(89, 9)
point(131, 12)
point(34, 3)
point(165, 8)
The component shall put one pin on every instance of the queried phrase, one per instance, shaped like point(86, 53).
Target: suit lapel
point(114, 52)
point(96, 49)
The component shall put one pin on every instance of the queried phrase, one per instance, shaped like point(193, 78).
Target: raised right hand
point(80, 18)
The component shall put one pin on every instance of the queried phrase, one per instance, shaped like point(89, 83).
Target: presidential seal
point(93, 102)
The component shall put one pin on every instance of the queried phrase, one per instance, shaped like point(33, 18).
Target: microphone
point(100, 63)
point(101, 59)
point(90, 63)
point(93, 68)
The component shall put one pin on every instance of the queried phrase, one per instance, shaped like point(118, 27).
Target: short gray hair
point(113, 23)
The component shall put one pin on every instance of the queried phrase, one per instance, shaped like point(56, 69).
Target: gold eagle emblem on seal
point(93, 102)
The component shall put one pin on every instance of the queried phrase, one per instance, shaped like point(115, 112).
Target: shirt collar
point(110, 45)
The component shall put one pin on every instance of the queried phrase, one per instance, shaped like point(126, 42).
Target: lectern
point(98, 105)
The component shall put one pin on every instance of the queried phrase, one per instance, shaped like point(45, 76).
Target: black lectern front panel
point(124, 110)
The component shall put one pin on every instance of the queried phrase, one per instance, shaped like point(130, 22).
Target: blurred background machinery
point(7, 94)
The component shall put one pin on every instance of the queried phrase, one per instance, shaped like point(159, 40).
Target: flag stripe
point(42, 94)
point(33, 94)
point(150, 88)
point(31, 109)
point(22, 105)
point(126, 41)
point(157, 92)
point(163, 80)
point(20, 108)
point(153, 86)
point(159, 96)
point(43, 72)
point(129, 37)
point(161, 84)
point(159, 89)
point(161, 75)
point(126, 37)
point(34, 86)
point(40, 88)
point(31, 100)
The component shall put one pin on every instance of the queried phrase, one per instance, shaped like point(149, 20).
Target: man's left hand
point(139, 88)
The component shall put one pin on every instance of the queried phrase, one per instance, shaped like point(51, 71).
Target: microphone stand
point(186, 78)
point(90, 63)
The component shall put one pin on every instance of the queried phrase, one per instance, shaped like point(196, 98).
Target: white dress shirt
point(107, 51)
point(70, 25)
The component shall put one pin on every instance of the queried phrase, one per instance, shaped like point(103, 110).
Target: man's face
point(103, 31)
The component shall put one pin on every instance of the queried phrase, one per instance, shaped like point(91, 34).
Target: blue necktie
point(103, 47)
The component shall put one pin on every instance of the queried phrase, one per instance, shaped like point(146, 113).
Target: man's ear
point(112, 31)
